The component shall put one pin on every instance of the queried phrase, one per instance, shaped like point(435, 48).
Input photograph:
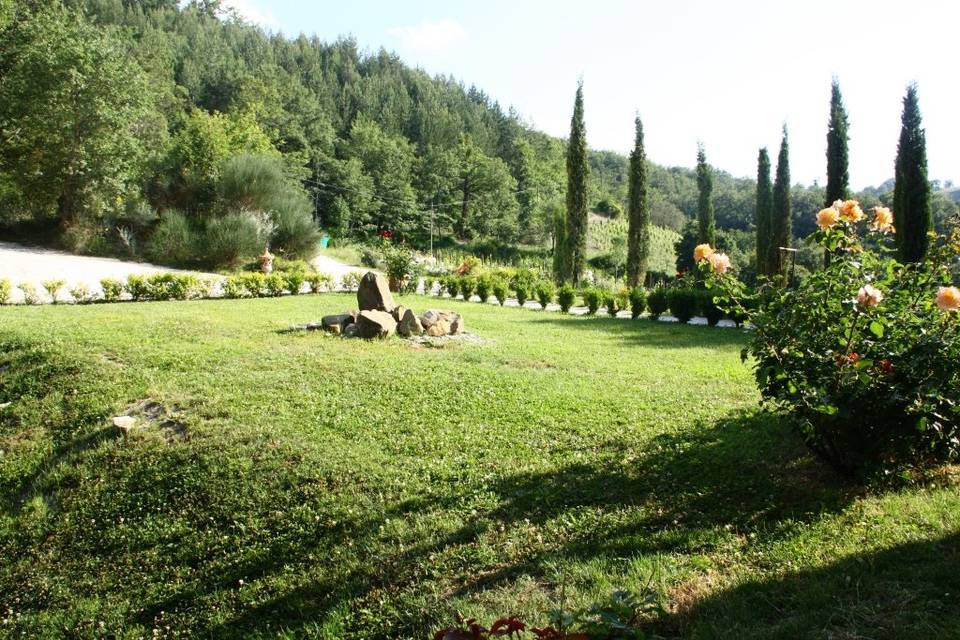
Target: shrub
point(612, 303)
point(371, 258)
point(452, 285)
point(275, 284)
point(112, 289)
point(638, 301)
point(173, 241)
point(294, 231)
point(467, 286)
point(53, 287)
point(402, 270)
point(500, 291)
point(658, 302)
point(593, 298)
point(174, 286)
point(351, 280)
point(30, 294)
point(709, 308)
point(319, 282)
point(522, 291)
point(428, 282)
point(566, 296)
point(294, 281)
point(545, 292)
point(81, 293)
point(233, 237)
point(484, 287)
point(864, 355)
point(138, 287)
point(254, 283)
point(234, 287)
point(684, 303)
point(5, 290)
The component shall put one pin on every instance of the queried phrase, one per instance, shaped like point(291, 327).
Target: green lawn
point(306, 486)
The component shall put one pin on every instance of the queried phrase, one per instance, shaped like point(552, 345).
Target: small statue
point(266, 262)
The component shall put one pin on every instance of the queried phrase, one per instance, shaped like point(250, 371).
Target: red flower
point(386, 233)
point(507, 626)
point(886, 367)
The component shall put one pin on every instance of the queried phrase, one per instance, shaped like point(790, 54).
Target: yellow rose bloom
point(702, 252)
point(828, 218)
point(948, 298)
point(850, 211)
point(882, 219)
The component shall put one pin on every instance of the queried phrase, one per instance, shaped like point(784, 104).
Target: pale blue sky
point(726, 73)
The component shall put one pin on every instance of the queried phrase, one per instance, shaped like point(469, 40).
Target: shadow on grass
point(907, 592)
point(679, 495)
point(651, 333)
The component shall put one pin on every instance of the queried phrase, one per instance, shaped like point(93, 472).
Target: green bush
point(5, 290)
point(254, 283)
point(351, 280)
point(173, 241)
point(112, 289)
point(174, 286)
point(138, 287)
point(522, 292)
point(30, 294)
point(234, 287)
point(593, 298)
point(612, 303)
point(452, 285)
point(401, 267)
point(234, 237)
point(709, 308)
point(566, 297)
point(863, 356)
point(500, 290)
point(275, 284)
point(484, 287)
point(545, 292)
point(638, 301)
point(319, 282)
point(468, 285)
point(684, 303)
point(53, 287)
point(295, 233)
point(81, 293)
point(294, 281)
point(658, 302)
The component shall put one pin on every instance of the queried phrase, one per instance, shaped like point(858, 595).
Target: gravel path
point(19, 263)
point(326, 264)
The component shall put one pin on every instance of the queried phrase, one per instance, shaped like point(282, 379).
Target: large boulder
point(409, 324)
point(373, 294)
point(375, 324)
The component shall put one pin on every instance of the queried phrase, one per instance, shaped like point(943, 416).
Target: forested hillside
point(184, 135)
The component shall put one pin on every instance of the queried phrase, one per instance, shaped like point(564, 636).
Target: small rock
point(124, 423)
point(456, 324)
point(373, 294)
point(350, 331)
point(438, 328)
point(398, 312)
point(409, 324)
point(336, 323)
point(431, 317)
point(375, 324)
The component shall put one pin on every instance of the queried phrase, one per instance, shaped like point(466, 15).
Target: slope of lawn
point(294, 484)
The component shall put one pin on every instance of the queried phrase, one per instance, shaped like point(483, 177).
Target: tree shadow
point(651, 333)
point(909, 591)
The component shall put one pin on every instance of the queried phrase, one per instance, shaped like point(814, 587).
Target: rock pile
point(380, 317)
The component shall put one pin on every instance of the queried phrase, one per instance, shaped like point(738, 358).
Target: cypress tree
point(560, 267)
point(781, 227)
point(706, 224)
point(838, 173)
point(764, 212)
point(578, 173)
point(638, 233)
point(911, 192)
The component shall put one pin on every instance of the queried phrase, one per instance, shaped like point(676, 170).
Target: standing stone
point(409, 324)
point(456, 325)
point(373, 294)
point(375, 324)
point(398, 312)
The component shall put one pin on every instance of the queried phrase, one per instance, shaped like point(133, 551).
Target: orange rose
point(702, 252)
point(828, 218)
point(850, 210)
point(948, 298)
point(882, 219)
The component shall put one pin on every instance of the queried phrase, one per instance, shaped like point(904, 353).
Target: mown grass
point(308, 486)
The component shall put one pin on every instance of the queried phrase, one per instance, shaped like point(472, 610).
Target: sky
point(726, 73)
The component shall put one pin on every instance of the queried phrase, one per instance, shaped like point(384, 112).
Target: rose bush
point(863, 356)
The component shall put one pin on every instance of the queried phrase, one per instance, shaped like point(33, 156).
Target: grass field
point(298, 485)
